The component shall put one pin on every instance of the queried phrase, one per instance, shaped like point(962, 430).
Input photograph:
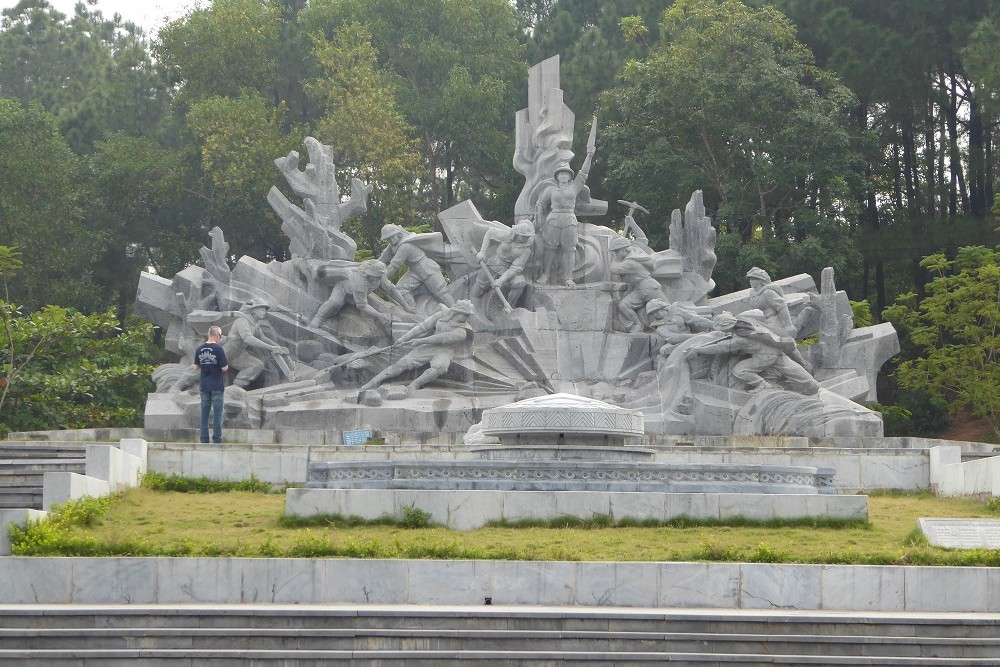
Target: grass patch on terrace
point(148, 522)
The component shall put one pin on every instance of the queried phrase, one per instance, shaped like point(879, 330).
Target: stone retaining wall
point(351, 581)
point(856, 469)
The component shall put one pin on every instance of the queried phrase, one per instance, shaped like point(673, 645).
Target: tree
point(226, 49)
point(453, 64)
point(371, 138)
point(921, 72)
point(238, 140)
point(91, 73)
point(954, 333)
point(62, 369)
point(138, 201)
point(732, 104)
point(41, 202)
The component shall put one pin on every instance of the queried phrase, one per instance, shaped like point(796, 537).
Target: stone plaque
point(962, 533)
point(354, 438)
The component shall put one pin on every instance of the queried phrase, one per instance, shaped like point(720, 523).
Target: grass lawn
point(146, 522)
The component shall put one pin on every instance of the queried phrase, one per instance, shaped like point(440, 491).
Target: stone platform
point(570, 475)
point(470, 509)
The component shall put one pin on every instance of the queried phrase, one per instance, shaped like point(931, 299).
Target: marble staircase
point(23, 464)
point(488, 635)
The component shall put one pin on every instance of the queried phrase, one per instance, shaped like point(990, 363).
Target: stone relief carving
point(489, 312)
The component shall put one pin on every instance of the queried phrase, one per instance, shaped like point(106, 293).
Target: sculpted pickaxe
point(630, 222)
point(632, 207)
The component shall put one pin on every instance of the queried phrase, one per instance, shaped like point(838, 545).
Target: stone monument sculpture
point(358, 284)
point(410, 250)
point(314, 232)
point(503, 258)
point(489, 312)
point(555, 215)
point(635, 271)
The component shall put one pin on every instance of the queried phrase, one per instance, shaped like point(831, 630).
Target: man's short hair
point(215, 331)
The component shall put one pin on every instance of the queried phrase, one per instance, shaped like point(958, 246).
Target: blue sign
point(352, 438)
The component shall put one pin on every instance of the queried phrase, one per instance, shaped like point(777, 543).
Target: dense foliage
point(956, 332)
point(848, 133)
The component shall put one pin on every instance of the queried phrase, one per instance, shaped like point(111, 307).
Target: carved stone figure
point(357, 284)
point(544, 139)
point(768, 354)
point(439, 339)
point(405, 249)
point(675, 373)
point(674, 323)
point(246, 343)
point(639, 238)
point(555, 213)
point(769, 299)
point(635, 270)
point(504, 260)
point(216, 259)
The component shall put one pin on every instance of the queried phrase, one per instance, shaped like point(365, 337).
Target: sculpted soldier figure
point(768, 298)
point(634, 270)
point(442, 337)
point(358, 284)
point(768, 353)
point(245, 343)
point(506, 259)
point(674, 323)
point(555, 213)
point(422, 270)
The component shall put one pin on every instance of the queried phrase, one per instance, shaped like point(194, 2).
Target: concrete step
point(18, 495)
point(405, 635)
point(31, 472)
point(23, 466)
point(499, 617)
point(383, 639)
point(282, 658)
point(27, 466)
point(42, 450)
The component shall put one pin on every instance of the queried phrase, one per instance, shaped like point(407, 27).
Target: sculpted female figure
point(555, 213)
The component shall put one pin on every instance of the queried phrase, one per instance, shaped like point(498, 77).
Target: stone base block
point(60, 487)
point(469, 509)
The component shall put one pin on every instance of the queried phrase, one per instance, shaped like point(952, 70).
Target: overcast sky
point(150, 14)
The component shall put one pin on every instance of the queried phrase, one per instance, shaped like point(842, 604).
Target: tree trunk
point(977, 162)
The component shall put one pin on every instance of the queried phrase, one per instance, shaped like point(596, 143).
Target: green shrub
point(896, 420)
point(765, 553)
point(414, 517)
point(157, 481)
point(50, 535)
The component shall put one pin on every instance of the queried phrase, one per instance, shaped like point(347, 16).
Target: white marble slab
point(961, 533)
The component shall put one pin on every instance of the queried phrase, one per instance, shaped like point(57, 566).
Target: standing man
point(211, 359)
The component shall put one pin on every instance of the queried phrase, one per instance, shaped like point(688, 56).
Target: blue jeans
point(211, 400)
